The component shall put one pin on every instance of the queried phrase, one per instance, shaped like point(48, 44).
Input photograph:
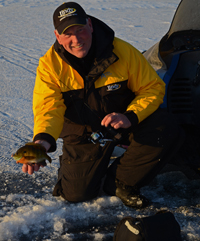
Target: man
point(91, 86)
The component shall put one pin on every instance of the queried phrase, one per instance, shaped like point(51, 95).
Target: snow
point(28, 211)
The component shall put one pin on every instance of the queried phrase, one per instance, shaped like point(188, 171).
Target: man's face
point(77, 39)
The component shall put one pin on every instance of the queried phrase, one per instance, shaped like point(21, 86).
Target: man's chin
point(80, 54)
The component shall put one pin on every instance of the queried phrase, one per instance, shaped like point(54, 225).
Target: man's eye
point(67, 35)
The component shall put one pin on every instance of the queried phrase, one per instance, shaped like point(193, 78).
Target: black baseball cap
point(67, 15)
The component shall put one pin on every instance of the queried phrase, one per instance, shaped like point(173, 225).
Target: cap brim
point(69, 23)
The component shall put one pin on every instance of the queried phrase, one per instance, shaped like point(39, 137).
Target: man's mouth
point(78, 46)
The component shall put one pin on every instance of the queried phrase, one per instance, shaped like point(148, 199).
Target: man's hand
point(116, 120)
point(31, 168)
point(35, 167)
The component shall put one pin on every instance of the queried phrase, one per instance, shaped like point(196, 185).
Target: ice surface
point(28, 211)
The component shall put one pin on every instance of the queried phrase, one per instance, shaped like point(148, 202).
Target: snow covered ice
point(28, 211)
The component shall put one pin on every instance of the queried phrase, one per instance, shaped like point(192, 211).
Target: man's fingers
point(104, 120)
point(30, 168)
point(116, 120)
point(36, 167)
point(108, 119)
point(116, 125)
point(25, 168)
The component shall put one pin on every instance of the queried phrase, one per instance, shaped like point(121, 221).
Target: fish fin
point(28, 158)
point(49, 159)
point(22, 161)
point(29, 143)
point(36, 145)
point(43, 163)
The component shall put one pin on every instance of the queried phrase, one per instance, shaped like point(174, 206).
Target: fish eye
point(24, 151)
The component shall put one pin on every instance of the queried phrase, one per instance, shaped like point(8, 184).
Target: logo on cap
point(67, 12)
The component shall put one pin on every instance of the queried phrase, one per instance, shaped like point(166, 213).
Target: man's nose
point(76, 38)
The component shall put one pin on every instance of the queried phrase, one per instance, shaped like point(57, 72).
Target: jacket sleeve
point(148, 87)
point(48, 104)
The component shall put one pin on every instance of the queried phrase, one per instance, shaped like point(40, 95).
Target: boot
point(130, 196)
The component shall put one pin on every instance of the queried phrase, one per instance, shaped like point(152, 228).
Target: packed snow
point(28, 211)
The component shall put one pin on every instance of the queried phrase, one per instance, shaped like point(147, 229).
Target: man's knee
point(78, 196)
point(76, 190)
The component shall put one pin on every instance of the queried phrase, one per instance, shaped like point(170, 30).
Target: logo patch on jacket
point(113, 87)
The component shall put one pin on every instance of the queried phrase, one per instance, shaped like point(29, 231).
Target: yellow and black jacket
point(72, 95)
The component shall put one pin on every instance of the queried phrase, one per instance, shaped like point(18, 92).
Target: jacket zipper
point(86, 84)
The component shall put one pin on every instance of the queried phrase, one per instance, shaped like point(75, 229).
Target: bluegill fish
point(31, 153)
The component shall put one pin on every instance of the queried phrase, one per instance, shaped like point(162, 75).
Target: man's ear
point(57, 36)
point(90, 24)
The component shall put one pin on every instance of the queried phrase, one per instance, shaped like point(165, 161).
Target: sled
point(176, 59)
